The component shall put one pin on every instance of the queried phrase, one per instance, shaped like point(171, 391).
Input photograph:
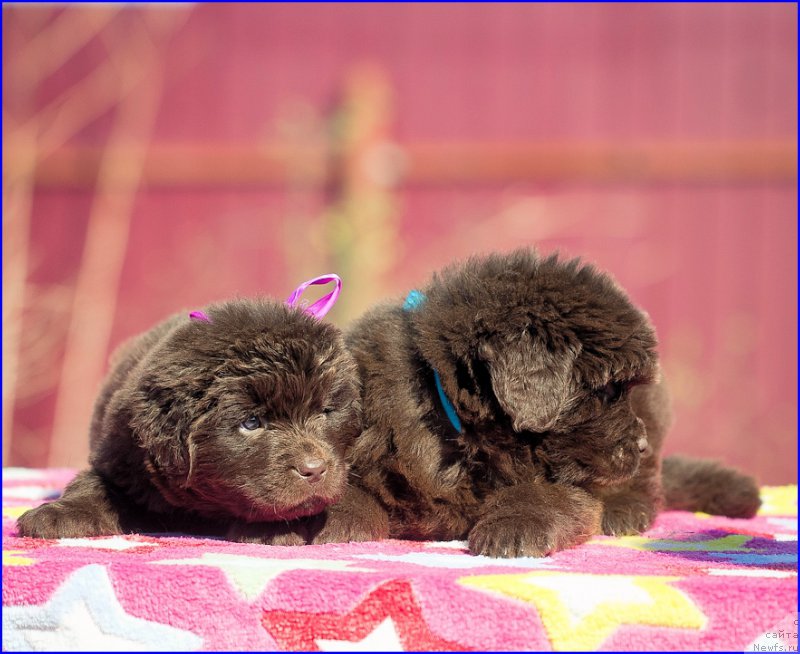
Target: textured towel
point(693, 582)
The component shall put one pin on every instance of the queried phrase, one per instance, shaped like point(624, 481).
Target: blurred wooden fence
point(145, 148)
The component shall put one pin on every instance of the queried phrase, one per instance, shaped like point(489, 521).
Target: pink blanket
point(693, 582)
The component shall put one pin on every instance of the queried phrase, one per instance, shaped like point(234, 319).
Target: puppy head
point(248, 415)
point(548, 348)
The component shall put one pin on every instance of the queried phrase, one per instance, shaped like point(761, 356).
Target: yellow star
point(11, 557)
point(778, 500)
point(579, 611)
point(15, 512)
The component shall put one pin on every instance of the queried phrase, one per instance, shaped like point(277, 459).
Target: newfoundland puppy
point(516, 402)
point(233, 423)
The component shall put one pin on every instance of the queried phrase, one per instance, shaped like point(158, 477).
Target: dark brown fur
point(554, 376)
point(168, 450)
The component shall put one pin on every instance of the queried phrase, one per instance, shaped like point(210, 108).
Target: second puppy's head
point(249, 414)
point(549, 349)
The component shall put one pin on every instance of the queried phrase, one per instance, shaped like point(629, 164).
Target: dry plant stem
point(362, 223)
point(48, 50)
point(94, 302)
point(53, 44)
point(17, 200)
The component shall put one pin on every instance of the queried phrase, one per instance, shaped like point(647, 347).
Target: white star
point(111, 543)
point(84, 614)
point(582, 594)
point(785, 523)
point(250, 574)
point(383, 638)
point(751, 572)
point(16, 474)
point(447, 544)
point(31, 492)
point(457, 561)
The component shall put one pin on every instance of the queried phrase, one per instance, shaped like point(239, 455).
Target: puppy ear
point(161, 424)
point(531, 383)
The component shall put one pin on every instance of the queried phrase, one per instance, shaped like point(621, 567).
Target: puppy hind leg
point(708, 486)
point(88, 507)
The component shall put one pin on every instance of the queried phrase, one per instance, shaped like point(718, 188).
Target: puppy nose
point(642, 444)
point(312, 470)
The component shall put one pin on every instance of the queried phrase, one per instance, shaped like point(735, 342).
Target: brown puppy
point(516, 402)
point(237, 426)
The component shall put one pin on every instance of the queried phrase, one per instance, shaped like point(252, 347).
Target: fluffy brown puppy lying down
point(517, 402)
point(232, 424)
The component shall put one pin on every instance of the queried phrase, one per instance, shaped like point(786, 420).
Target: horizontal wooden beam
point(605, 162)
point(225, 165)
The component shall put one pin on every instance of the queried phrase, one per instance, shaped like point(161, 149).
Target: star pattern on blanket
point(12, 557)
point(84, 614)
point(107, 593)
point(579, 611)
point(250, 574)
point(389, 618)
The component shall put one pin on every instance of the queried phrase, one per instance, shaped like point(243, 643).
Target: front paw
point(268, 533)
point(63, 520)
point(531, 535)
point(357, 517)
point(510, 538)
point(336, 531)
point(625, 516)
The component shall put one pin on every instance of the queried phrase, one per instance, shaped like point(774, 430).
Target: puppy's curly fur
point(554, 377)
point(238, 426)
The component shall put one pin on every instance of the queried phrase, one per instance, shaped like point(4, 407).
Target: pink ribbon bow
point(317, 310)
point(325, 303)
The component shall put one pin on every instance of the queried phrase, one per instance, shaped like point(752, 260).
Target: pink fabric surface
point(691, 582)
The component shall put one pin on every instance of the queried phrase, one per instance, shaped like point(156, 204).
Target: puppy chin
point(308, 507)
point(274, 512)
point(296, 500)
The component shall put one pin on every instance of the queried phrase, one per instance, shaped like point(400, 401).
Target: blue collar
point(449, 409)
point(412, 302)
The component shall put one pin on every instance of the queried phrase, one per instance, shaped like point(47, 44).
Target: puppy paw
point(624, 516)
point(62, 520)
point(526, 534)
point(357, 517)
point(268, 533)
point(509, 538)
point(345, 531)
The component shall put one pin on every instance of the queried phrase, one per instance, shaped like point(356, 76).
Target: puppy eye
point(327, 410)
point(251, 424)
point(611, 392)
